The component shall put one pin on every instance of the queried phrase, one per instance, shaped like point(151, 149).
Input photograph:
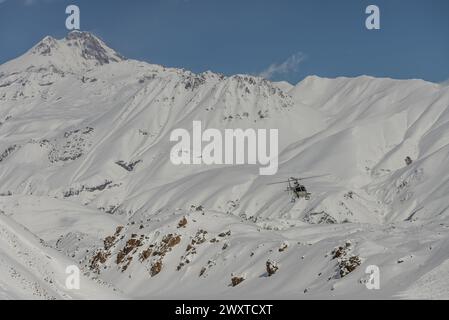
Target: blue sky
point(281, 39)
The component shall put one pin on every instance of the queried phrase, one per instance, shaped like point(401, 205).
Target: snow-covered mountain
point(86, 179)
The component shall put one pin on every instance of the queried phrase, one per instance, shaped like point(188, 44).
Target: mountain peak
point(76, 34)
point(92, 48)
point(77, 52)
point(80, 46)
point(45, 46)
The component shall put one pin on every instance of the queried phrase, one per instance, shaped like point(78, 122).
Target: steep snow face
point(84, 165)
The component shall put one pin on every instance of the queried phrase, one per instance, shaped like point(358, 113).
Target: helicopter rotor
point(292, 179)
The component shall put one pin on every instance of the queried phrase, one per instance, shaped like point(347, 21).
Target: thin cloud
point(290, 65)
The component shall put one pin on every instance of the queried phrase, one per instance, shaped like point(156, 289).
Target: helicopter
point(297, 189)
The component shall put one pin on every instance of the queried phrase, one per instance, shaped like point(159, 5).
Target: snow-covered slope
point(84, 165)
point(32, 270)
